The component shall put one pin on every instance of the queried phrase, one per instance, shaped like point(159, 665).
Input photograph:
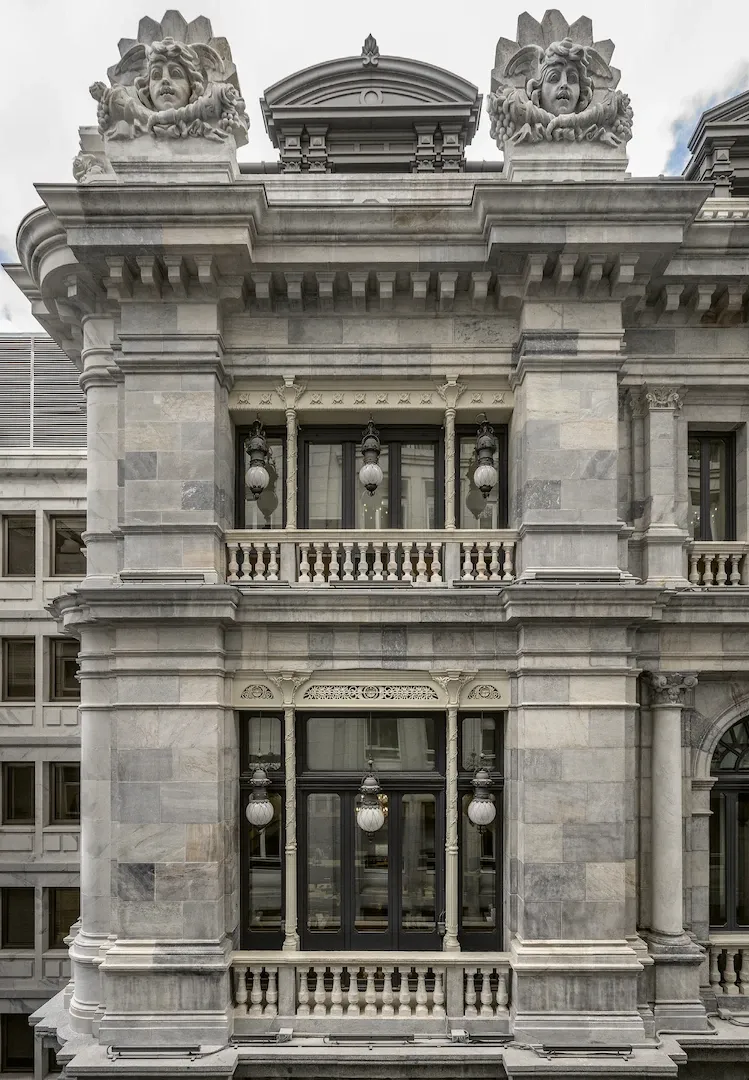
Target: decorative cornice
point(670, 687)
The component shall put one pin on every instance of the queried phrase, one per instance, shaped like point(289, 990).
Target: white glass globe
point(370, 475)
point(259, 812)
point(257, 478)
point(485, 478)
point(481, 811)
point(370, 818)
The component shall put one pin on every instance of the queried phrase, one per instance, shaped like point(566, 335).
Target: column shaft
point(450, 942)
point(667, 869)
point(449, 468)
point(291, 454)
point(291, 938)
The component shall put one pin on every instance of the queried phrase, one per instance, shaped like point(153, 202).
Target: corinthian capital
point(662, 397)
point(670, 687)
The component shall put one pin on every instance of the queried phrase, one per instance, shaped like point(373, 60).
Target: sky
point(677, 57)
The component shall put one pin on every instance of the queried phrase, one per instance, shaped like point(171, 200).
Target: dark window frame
point(5, 942)
point(7, 518)
point(9, 1063)
point(53, 519)
point(501, 431)
point(6, 694)
point(54, 692)
point(729, 441)
point(730, 783)
point(8, 818)
point(239, 471)
point(55, 768)
point(57, 943)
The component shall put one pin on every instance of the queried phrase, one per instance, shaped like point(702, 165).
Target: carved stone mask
point(168, 85)
point(560, 89)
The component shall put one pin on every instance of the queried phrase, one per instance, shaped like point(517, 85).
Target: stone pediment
point(371, 111)
point(720, 147)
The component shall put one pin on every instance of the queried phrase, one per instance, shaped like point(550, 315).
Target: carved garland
point(368, 692)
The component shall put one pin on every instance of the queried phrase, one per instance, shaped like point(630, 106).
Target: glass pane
point(264, 872)
point(66, 789)
point(65, 670)
point(20, 540)
point(718, 860)
point(742, 870)
point(324, 862)
point(418, 894)
point(479, 743)
point(17, 1043)
point(476, 512)
point(263, 739)
point(371, 877)
point(372, 511)
point(324, 485)
point(417, 485)
point(69, 555)
point(64, 909)
point(18, 918)
point(18, 793)
point(479, 858)
point(394, 743)
point(266, 512)
point(693, 471)
point(18, 678)
point(718, 490)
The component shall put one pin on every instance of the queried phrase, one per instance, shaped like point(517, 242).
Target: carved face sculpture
point(168, 85)
point(560, 89)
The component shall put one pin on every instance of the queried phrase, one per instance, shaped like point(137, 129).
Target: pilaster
point(664, 539)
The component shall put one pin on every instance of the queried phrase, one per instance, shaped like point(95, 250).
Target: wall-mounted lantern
point(370, 473)
point(481, 808)
point(256, 445)
point(370, 815)
point(485, 476)
point(259, 809)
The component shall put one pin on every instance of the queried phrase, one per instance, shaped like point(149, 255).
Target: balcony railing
point(729, 964)
point(308, 991)
point(352, 557)
point(719, 562)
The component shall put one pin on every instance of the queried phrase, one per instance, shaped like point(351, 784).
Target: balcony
point(719, 563)
point(349, 992)
point(729, 964)
point(353, 557)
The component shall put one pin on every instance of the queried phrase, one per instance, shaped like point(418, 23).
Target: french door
point(380, 891)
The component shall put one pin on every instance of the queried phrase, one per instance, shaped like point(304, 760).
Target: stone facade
point(600, 326)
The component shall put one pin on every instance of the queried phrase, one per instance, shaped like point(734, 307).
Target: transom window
point(712, 486)
point(729, 831)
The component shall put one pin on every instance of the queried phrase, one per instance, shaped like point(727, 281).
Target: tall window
point(18, 793)
point(712, 486)
point(68, 550)
point(269, 510)
point(64, 909)
point(475, 511)
point(480, 744)
point(19, 545)
point(17, 918)
point(729, 831)
point(64, 685)
point(19, 662)
point(262, 849)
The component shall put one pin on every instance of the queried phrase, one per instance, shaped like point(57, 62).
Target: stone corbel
point(150, 274)
point(446, 283)
point(592, 273)
point(533, 274)
point(119, 281)
point(358, 280)
point(701, 300)
point(564, 272)
point(479, 289)
point(386, 289)
point(263, 283)
point(177, 275)
point(294, 281)
point(623, 274)
point(419, 288)
point(325, 289)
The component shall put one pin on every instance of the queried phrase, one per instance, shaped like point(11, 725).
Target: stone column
point(288, 682)
point(452, 683)
point(450, 392)
point(290, 393)
point(664, 538)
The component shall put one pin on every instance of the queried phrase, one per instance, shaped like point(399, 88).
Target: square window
point(19, 546)
point(68, 550)
point(18, 793)
point(64, 909)
point(17, 1040)
point(19, 663)
point(17, 918)
point(64, 684)
point(65, 792)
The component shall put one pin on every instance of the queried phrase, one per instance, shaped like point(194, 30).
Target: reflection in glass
point(371, 877)
point(693, 472)
point(718, 860)
point(479, 742)
point(718, 516)
point(324, 862)
point(69, 553)
point(476, 512)
point(479, 859)
point(418, 911)
point(264, 872)
point(417, 485)
point(394, 743)
point(742, 870)
point(266, 512)
point(372, 511)
point(325, 473)
point(263, 739)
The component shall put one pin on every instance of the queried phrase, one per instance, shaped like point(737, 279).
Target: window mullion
point(705, 530)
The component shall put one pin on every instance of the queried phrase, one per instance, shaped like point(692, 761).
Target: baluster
point(707, 568)
point(348, 562)
point(740, 973)
point(421, 992)
point(468, 561)
point(302, 1008)
point(392, 561)
point(353, 992)
point(438, 997)
point(436, 578)
point(256, 993)
point(715, 982)
point(370, 994)
point(721, 577)
point(729, 973)
point(259, 561)
point(336, 996)
point(744, 568)
point(333, 570)
point(481, 574)
point(320, 1006)
point(470, 992)
point(233, 564)
point(363, 566)
point(502, 994)
point(486, 992)
point(271, 994)
point(408, 569)
point(319, 578)
point(240, 987)
point(273, 562)
point(387, 992)
point(404, 993)
point(508, 547)
point(694, 574)
point(244, 551)
point(494, 564)
point(733, 564)
point(421, 564)
point(304, 578)
point(377, 564)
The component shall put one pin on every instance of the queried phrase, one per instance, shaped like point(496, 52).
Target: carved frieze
point(454, 395)
point(369, 692)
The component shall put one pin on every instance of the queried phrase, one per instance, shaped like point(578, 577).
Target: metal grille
point(41, 404)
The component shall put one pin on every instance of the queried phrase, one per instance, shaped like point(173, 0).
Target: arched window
point(729, 830)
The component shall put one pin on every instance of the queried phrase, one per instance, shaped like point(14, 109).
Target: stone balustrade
point(347, 987)
point(355, 557)
point(718, 562)
point(729, 964)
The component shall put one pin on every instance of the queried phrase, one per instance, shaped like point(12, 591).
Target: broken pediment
point(371, 112)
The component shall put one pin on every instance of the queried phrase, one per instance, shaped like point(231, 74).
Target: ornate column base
point(86, 953)
point(677, 1004)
